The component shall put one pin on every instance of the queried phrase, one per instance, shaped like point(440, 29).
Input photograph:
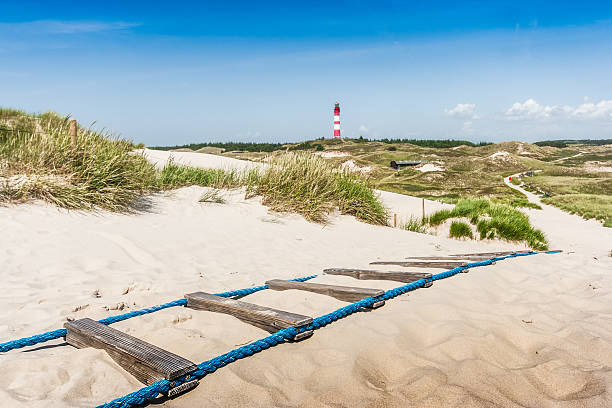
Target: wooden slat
point(453, 257)
point(146, 362)
point(416, 264)
point(493, 254)
point(345, 293)
point(264, 317)
point(367, 274)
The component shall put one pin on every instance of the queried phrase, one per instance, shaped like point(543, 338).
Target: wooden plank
point(453, 257)
point(367, 274)
point(344, 293)
point(416, 264)
point(493, 254)
point(264, 317)
point(146, 362)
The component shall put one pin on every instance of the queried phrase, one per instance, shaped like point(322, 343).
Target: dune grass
point(38, 161)
point(415, 225)
point(586, 205)
point(460, 229)
point(311, 186)
point(494, 221)
point(292, 182)
point(175, 176)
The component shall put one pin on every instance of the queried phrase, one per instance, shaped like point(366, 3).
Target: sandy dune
point(529, 332)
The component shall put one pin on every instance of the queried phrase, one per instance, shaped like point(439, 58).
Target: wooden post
point(394, 220)
point(73, 131)
point(423, 202)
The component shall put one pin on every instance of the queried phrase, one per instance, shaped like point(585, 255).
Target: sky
point(171, 73)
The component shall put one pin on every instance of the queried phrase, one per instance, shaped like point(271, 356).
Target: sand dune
point(528, 332)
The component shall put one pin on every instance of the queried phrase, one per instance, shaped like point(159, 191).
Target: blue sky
point(180, 72)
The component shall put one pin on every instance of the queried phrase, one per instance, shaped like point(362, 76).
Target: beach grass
point(38, 160)
point(415, 225)
point(494, 220)
point(100, 171)
point(598, 206)
point(311, 186)
point(460, 229)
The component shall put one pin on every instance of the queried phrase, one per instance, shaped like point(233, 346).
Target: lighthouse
point(337, 120)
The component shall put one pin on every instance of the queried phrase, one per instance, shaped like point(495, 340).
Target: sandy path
point(569, 157)
point(567, 231)
point(530, 332)
point(160, 158)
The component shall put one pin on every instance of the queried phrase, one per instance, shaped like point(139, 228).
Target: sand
point(529, 332)
point(350, 165)
point(429, 167)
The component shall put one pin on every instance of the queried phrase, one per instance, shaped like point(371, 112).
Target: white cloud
point(530, 109)
point(600, 110)
point(363, 129)
point(467, 126)
point(64, 27)
point(463, 110)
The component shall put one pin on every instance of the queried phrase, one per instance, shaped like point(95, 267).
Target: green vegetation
point(37, 160)
point(494, 221)
point(565, 143)
point(306, 146)
point(294, 182)
point(460, 229)
point(524, 203)
point(271, 147)
point(437, 144)
point(552, 143)
point(229, 146)
point(585, 205)
point(175, 176)
point(414, 225)
point(311, 186)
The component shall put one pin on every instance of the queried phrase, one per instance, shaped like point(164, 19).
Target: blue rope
point(151, 392)
point(59, 333)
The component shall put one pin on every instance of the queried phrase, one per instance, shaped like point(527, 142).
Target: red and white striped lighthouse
point(337, 121)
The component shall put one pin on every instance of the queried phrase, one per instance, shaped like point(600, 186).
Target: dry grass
point(585, 205)
point(38, 161)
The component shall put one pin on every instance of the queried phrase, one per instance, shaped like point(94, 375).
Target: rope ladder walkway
point(151, 392)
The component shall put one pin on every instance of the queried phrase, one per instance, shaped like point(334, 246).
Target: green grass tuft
point(494, 221)
point(414, 225)
point(460, 229)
